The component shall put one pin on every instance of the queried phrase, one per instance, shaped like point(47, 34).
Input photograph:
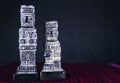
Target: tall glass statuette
point(52, 67)
point(27, 45)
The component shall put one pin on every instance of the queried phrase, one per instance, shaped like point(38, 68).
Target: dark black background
point(89, 29)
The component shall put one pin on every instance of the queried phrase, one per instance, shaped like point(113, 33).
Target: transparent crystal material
point(52, 52)
point(27, 40)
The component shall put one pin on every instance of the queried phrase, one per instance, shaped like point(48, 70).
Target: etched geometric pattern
point(27, 40)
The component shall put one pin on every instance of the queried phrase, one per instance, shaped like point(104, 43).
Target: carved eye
point(31, 41)
point(52, 47)
point(55, 34)
point(22, 41)
point(31, 19)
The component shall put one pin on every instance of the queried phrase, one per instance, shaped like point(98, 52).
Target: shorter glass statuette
point(52, 67)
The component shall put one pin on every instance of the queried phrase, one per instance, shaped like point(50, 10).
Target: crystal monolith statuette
point(27, 45)
point(52, 67)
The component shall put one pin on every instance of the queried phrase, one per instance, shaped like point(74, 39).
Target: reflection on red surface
point(76, 73)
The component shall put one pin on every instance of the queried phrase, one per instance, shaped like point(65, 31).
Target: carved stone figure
point(52, 65)
point(27, 45)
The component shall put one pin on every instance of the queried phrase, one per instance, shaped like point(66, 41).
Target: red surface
point(76, 73)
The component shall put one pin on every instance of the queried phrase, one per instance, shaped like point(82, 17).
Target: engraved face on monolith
point(27, 16)
point(52, 31)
